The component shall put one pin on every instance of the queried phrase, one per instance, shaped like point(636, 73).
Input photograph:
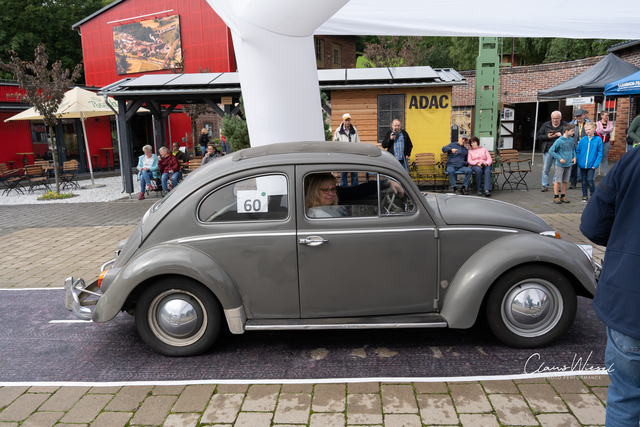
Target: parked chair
point(496, 172)
point(514, 169)
point(36, 177)
point(11, 178)
point(46, 167)
point(426, 170)
point(69, 175)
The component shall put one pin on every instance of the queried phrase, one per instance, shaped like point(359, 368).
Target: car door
point(371, 262)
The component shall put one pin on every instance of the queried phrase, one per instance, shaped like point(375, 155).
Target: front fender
point(470, 285)
point(161, 260)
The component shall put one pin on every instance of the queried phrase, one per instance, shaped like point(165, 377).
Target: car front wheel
point(178, 317)
point(531, 306)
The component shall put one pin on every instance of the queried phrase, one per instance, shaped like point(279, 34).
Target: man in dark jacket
point(457, 163)
point(547, 135)
point(398, 143)
point(611, 219)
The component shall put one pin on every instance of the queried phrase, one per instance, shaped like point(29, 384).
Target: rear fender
point(162, 260)
point(472, 282)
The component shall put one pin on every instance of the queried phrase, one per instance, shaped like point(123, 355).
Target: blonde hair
point(204, 130)
point(590, 125)
point(313, 183)
point(147, 148)
point(163, 148)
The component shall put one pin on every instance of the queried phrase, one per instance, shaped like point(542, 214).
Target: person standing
point(634, 133)
point(204, 140)
point(346, 132)
point(603, 129)
point(578, 134)
point(610, 220)
point(457, 163)
point(398, 143)
point(588, 157)
point(564, 151)
point(548, 134)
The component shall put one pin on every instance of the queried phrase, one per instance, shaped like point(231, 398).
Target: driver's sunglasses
point(329, 190)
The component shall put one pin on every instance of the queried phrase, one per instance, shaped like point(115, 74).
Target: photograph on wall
point(148, 45)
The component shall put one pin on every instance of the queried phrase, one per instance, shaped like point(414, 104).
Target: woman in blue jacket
point(147, 169)
point(588, 158)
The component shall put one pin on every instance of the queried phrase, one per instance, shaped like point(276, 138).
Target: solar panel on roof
point(413, 73)
point(227, 78)
point(332, 75)
point(368, 74)
point(151, 80)
point(194, 79)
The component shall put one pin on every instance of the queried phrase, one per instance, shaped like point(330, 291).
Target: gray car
point(263, 239)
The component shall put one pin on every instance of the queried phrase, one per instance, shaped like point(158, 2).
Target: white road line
point(305, 381)
point(71, 321)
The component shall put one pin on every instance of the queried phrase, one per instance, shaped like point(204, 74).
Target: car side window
point(258, 198)
point(394, 198)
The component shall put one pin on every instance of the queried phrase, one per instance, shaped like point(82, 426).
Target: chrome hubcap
point(532, 308)
point(177, 318)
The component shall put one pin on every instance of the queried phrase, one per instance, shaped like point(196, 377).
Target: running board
point(378, 322)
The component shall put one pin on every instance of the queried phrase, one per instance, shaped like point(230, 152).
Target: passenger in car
point(323, 197)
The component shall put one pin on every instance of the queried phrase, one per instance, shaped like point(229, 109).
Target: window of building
point(337, 56)
point(609, 106)
point(319, 46)
point(390, 107)
point(253, 199)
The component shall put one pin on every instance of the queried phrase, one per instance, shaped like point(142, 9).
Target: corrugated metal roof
point(333, 79)
point(623, 45)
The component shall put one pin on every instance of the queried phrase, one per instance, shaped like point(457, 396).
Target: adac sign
point(423, 102)
point(429, 120)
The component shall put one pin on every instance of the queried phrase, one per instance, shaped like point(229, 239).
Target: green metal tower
point(487, 112)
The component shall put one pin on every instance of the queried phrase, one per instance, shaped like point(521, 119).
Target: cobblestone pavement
point(554, 401)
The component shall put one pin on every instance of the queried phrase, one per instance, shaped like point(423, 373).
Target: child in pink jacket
point(479, 160)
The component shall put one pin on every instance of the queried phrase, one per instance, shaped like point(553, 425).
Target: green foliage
point(235, 130)
point(328, 135)
point(51, 195)
point(569, 49)
point(463, 52)
point(138, 31)
point(26, 23)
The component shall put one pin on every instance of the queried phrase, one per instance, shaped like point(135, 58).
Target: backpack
point(629, 140)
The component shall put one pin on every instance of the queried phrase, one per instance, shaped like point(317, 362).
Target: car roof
point(361, 149)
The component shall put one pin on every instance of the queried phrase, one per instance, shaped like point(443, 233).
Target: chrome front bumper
point(82, 297)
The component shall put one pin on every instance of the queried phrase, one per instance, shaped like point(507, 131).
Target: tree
point(328, 135)
point(394, 51)
point(235, 130)
point(26, 23)
point(44, 89)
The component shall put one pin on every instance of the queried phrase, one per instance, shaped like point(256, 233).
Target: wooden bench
point(514, 169)
point(426, 171)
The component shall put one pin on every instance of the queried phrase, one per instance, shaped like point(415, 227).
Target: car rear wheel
point(531, 306)
point(178, 317)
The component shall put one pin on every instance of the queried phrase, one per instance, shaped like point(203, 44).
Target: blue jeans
point(487, 177)
point(174, 180)
point(343, 179)
point(622, 359)
point(587, 179)
point(405, 164)
point(452, 170)
point(145, 179)
point(605, 157)
point(575, 175)
point(547, 161)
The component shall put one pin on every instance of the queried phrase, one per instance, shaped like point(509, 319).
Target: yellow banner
point(429, 121)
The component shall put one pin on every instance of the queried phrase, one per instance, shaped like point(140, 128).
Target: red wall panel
point(7, 89)
point(99, 136)
point(15, 137)
point(201, 32)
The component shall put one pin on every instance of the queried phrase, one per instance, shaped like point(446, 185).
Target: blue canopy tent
point(629, 85)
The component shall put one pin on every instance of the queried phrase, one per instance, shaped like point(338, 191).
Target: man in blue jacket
point(457, 163)
point(611, 219)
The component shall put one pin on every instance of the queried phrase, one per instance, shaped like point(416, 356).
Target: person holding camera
point(398, 143)
point(346, 132)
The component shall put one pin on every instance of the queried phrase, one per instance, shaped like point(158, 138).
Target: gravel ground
point(112, 191)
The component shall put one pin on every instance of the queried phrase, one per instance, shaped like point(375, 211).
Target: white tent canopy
point(273, 42)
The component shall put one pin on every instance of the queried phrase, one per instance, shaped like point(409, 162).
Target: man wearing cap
point(346, 132)
point(577, 135)
point(547, 135)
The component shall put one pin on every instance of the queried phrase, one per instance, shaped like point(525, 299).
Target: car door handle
point(312, 241)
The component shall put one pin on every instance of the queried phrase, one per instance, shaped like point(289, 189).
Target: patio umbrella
point(76, 104)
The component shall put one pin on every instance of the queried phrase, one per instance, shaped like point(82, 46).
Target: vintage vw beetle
point(234, 242)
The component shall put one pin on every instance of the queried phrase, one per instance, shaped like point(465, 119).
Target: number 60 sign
point(252, 201)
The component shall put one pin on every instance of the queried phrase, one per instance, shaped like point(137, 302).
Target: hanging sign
point(580, 101)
